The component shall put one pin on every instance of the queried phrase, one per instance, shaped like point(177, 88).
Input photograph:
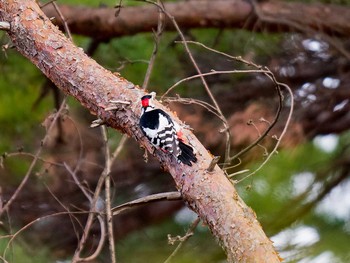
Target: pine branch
point(210, 195)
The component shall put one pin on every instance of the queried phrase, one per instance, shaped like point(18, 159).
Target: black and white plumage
point(163, 132)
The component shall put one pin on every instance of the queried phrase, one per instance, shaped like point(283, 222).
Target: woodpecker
point(164, 133)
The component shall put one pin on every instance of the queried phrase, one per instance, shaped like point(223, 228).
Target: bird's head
point(147, 100)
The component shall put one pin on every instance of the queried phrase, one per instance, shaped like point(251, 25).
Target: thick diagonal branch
point(266, 16)
point(210, 195)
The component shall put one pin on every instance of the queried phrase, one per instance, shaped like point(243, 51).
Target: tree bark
point(210, 195)
point(267, 16)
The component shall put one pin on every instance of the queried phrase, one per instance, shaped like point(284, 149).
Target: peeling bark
point(267, 16)
point(210, 195)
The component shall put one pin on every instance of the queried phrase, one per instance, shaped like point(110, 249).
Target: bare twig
point(212, 72)
point(251, 122)
point(3, 259)
point(268, 73)
point(237, 173)
point(283, 131)
point(169, 196)
point(77, 182)
point(104, 178)
point(42, 5)
point(100, 243)
point(117, 151)
point(66, 28)
point(157, 35)
point(233, 166)
point(71, 215)
point(109, 217)
point(273, 123)
point(81, 147)
point(13, 236)
point(271, 76)
point(94, 208)
point(9, 155)
point(201, 103)
point(183, 239)
point(36, 158)
point(204, 104)
point(212, 164)
point(239, 58)
point(89, 221)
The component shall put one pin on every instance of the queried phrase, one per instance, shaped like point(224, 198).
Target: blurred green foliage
point(19, 253)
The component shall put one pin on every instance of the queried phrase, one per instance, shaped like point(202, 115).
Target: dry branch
point(103, 23)
point(210, 195)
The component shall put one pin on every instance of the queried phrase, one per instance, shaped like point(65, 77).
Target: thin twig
point(183, 239)
point(13, 236)
point(89, 222)
point(212, 164)
point(201, 103)
point(65, 24)
point(77, 182)
point(236, 58)
point(225, 123)
point(282, 133)
point(251, 122)
point(71, 216)
point(9, 155)
point(36, 158)
point(237, 173)
point(100, 243)
point(233, 166)
point(81, 152)
point(212, 72)
point(268, 73)
point(109, 216)
point(117, 151)
point(45, 4)
point(93, 209)
point(157, 35)
point(278, 113)
point(4, 260)
point(169, 196)
point(271, 76)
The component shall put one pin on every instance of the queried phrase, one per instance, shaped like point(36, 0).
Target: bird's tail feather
point(187, 155)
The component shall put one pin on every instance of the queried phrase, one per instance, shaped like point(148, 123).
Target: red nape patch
point(180, 135)
point(145, 102)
